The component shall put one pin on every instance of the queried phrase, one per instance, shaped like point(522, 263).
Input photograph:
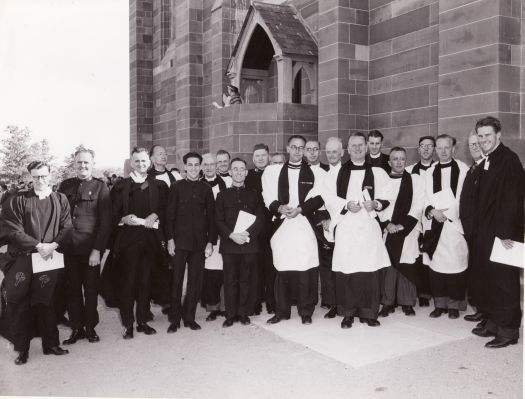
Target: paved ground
point(396, 360)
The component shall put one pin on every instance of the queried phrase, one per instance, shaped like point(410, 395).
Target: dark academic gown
point(28, 221)
point(468, 214)
point(379, 162)
point(500, 214)
point(265, 274)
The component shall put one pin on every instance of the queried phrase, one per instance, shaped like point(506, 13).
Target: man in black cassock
point(36, 223)
point(375, 156)
point(499, 215)
point(265, 273)
point(138, 204)
point(91, 215)
point(238, 248)
point(191, 235)
point(401, 223)
point(425, 149)
point(467, 212)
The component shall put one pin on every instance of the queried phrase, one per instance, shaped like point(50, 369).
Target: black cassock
point(500, 214)
point(26, 222)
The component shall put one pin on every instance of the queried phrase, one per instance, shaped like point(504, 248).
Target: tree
point(15, 153)
point(40, 151)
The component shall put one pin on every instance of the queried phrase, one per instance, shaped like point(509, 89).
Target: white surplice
point(410, 251)
point(451, 254)
point(294, 245)
point(359, 245)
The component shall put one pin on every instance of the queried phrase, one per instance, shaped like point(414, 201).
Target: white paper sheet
point(244, 221)
point(41, 265)
point(366, 196)
point(511, 257)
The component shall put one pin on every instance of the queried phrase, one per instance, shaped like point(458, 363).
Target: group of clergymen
point(374, 231)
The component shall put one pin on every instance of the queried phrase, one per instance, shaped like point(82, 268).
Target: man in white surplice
point(291, 193)
point(444, 247)
point(352, 194)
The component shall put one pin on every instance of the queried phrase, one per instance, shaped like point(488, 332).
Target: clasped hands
point(240, 238)
point(394, 228)
point(46, 249)
point(132, 220)
point(288, 211)
point(355, 206)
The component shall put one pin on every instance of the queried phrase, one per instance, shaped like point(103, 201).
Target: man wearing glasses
point(311, 149)
point(290, 193)
point(37, 222)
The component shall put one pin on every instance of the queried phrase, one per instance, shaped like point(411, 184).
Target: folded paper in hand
point(244, 221)
point(56, 261)
point(511, 257)
point(366, 196)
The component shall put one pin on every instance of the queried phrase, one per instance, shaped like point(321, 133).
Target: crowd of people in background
point(375, 233)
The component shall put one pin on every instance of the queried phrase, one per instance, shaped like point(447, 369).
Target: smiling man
point(499, 214)
point(91, 213)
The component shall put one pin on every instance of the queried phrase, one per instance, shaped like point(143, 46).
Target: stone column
point(284, 79)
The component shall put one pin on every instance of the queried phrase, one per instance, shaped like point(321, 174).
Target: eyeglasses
point(474, 146)
point(315, 149)
point(295, 148)
point(40, 177)
point(426, 146)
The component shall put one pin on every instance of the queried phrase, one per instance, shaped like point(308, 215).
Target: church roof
point(285, 26)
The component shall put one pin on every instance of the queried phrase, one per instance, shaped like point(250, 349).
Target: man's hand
point(439, 215)
point(130, 220)
point(326, 224)
point(353, 206)
point(284, 209)
point(150, 220)
point(507, 244)
point(209, 250)
point(46, 249)
point(239, 238)
point(369, 205)
point(171, 247)
point(394, 228)
point(94, 258)
point(294, 212)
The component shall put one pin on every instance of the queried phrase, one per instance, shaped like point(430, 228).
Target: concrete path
point(404, 358)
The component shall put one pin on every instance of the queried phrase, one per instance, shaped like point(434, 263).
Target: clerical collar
point(445, 165)
point(46, 192)
point(426, 165)
point(336, 165)
point(224, 174)
point(294, 165)
point(396, 176)
point(137, 178)
point(375, 156)
point(212, 179)
point(238, 187)
point(358, 165)
point(479, 160)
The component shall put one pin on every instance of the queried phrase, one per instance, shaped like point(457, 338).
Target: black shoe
point(143, 327)
point(55, 350)
point(500, 342)
point(347, 322)
point(325, 305)
point(245, 320)
point(213, 315)
point(372, 322)
point(22, 358)
point(128, 333)
point(306, 319)
point(437, 312)
point(453, 314)
point(258, 309)
point(483, 332)
point(386, 310)
point(75, 336)
point(228, 322)
point(173, 328)
point(192, 325)
point(331, 313)
point(91, 335)
point(482, 323)
point(423, 302)
point(408, 310)
point(270, 309)
point(149, 316)
point(276, 319)
point(478, 316)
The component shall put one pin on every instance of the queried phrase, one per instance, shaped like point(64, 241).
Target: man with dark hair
point(401, 224)
point(375, 157)
point(191, 235)
point(499, 216)
point(291, 193)
point(425, 150)
point(265, 273)
point(352, 194)
point(138, 204)
point(239, 248)
point(444, 247)
point(223, 165)
point(312, 150)
point(37, 223)
point(91, 214)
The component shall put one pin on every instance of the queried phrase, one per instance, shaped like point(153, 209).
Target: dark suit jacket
point(191, 215)
point(91, 215)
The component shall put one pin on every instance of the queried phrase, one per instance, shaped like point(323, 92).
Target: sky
point(64, 74)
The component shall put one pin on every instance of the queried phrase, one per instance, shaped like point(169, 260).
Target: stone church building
point(323, 68)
